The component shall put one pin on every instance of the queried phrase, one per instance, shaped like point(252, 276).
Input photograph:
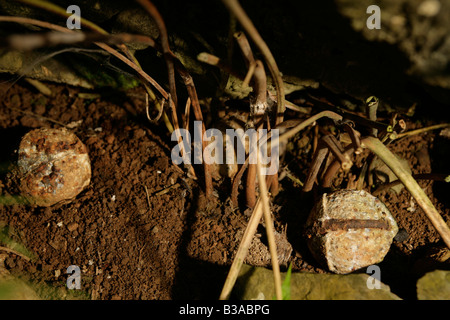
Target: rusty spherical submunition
point(350, 229)
point(54, 166)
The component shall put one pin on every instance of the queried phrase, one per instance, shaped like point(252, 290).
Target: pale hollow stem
point(336, 149)
point(157, 18)
point(246, 50)
point(244, 245)
point(371, 112)
point(260, 87)
point(422, 130)
point(250, 186)
point(420, 176)
point(15, 252)
point(354, 137)
point(289, 134)
point(333, 168)
point(316, 163)
point(50, 7)
point(242, 250)
point(129, 59)
point(263, 191)
point(237, 10)
point(377, 147)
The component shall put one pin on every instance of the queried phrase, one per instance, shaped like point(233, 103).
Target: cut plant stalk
point(212, 60)
point(334, 167)
point(160, 112)
point(289, 134)
point(342, 159)
point(167, 53)
point(242, 250)
point(263, 193)
point(422, 130)
point(337, 150)
point(50, 7)
point(316, 163)
point(15, 252)
point(247, 53)
point(258, 108)
point(420, 176)
point(171, 60)
point(354, 137)
point(192, 92)
point(129, 60)
point(377, 147)
point(236, 180)
point(371, 112)
point(236, 9)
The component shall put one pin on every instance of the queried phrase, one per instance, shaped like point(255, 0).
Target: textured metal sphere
point(350, 229)
point(54, 166)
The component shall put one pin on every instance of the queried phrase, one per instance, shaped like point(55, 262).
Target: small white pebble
point(59, 224)
point(113, 198)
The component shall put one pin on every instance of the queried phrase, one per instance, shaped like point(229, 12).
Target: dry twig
point(377, 147)
point(167, 53)
point(263, 193)
point(247, 24)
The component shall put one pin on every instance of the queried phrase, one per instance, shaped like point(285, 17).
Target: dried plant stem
point(289, 134)
point(50, 7)
point(160, 112)
point(39, 23)
point(187, 113)
point(246, 50)
point(354, 137)
point(192, 92)
point(325, 105)
point(257, 110)
point(247, 24)
point(269, 229)
point(247, 53)
point(250, 186)
point(316, 163)
point(236, 180)
point(242, 250)
point(130, 62)
point(377, 147)
point(167, 53)
point(217, 62)
point(333, 168)
point(422, 130)
point(336, 149)
point(15, 252)
point(33, 41)
point(420, 176)
point(371, 112)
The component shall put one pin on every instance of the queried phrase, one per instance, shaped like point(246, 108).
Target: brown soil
point(132, 242)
